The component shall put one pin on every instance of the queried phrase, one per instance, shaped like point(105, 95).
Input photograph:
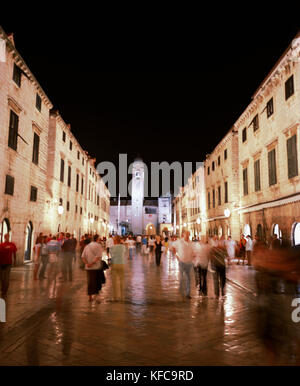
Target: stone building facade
point(252, 179)
point(189, 211)
point(31, 147)
point(222, 188)
point(269, 167)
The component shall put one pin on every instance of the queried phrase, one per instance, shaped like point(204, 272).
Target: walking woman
point(158, 249)
point(37, 256)
point(117, 252)
point(92, 257)
point(53, 248)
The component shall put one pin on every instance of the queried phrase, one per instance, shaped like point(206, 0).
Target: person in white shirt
point(230, 247)
point(131, 245)
point(184, 252)
point(92, 257)
point(249, 248)
point(201, 252)
point(109, 244)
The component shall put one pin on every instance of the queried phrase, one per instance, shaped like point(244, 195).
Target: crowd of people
point(54, 256)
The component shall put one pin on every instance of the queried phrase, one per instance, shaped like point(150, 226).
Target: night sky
point(168, 94)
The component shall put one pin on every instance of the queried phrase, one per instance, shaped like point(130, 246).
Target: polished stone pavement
point(52, 323)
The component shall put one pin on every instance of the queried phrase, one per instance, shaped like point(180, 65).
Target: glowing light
point(184, 224)
point(92, 220)
point(60, 209)
point(198, 220)
point(227, 212)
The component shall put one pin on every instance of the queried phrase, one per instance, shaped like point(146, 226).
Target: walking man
point(249, 248)
point(7, 258)
point(67, 257)
point(183, 250)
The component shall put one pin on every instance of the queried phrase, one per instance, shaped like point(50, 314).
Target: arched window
point(277, 231)
point(28, 241)
point(296, 234)
point(4, 228)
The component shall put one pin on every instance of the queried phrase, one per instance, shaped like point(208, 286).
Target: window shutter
point(292, 156)
point(257, 175)
point(272, 167)
point(13, 130)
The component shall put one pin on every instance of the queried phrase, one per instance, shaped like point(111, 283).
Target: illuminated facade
point(269, 147)
point(189, 211)
point(252, 180)
point(32, 146)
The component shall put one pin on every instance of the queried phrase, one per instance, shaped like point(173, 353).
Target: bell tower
point(137, 196)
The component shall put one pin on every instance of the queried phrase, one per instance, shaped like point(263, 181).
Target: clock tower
point(137, 196)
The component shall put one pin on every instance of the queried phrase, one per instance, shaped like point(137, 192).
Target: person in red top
point(7, 255)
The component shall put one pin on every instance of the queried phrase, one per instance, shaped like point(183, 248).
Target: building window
point(71, 145)
point(289, 87)
point(69, 175)
point(17, 75)
point(62, 170)
point(208, 170)
point(81, 185)
point(208, 200)
point(213, 166)
point(255, 123)
point(219, 161)
point(226, 191)
point(77, 182)
point(76, 208)
point(270, 108)
point(38, 102)
point(225, 154)
point(245, 181)
point(272, 167)
point(60, 201)
point(13, 130)
point(82, 161)
point(98, 199)
point(9, 185)
point(244, 135)
point(214, 198)
point(33, 193)
point(36, 146)
point(80, 210)
point(257, 175)
point(64, 136)
point(219, 195)
point(78, 154)
point(292, 156)
point(68, 206)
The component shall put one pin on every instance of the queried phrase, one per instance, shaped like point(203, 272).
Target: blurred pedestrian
point(37, 256)
point(158, 249)
point(92, 257)
point(53, 249)
point(231, 247)
point(118, 252)
point(217, 260)
point(248, 249)
point(144, 245)
point(44, 257)
point(242, 250)
point(7, 259)
point(67, 258)
point(201, 254)
point(183, 250)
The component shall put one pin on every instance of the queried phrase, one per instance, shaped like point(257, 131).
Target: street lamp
point(60, 209)
point(198, 221)
point(227, 212)
point(92, 220)
point(184, 224)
